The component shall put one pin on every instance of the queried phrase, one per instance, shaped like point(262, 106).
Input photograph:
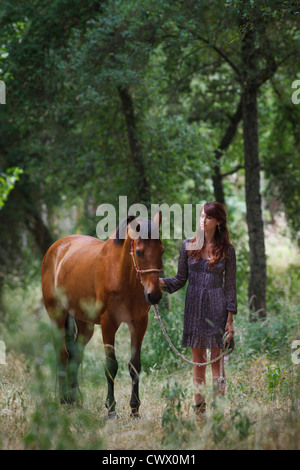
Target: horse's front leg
point(137, 331)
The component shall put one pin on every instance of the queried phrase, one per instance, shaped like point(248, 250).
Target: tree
point(140, 99)
point(253, 39)
point(29, 34)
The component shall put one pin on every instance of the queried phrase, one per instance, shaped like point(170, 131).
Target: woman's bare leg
point(199, 356)
point(215, 352)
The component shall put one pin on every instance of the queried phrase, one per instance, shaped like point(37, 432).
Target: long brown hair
point(221, 238)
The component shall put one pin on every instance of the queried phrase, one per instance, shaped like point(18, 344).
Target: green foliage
point(55, 427)
point(274, 376)
point(50, 429)
point(176, 429)
point(241, 423)
point(223, 429)
point(65, 127)
point(7, 182)
point(155, 348)
point(279, 141)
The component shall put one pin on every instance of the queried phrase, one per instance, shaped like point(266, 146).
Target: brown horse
point(86, 281)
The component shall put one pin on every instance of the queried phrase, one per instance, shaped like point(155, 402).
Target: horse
point(88, 282)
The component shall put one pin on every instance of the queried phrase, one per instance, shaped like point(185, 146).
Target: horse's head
point(146, 251)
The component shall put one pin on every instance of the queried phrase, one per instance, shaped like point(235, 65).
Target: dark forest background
point(177, 102)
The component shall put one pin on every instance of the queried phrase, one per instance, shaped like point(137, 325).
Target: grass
point(251, 416)
point(260, 410)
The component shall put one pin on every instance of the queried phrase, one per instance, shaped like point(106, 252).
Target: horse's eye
point(139, 253)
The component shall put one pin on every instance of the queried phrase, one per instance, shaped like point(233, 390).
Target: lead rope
point(227, 349)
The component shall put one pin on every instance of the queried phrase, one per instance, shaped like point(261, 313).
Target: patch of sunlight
point(281, 250)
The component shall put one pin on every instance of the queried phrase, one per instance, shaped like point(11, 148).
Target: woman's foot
point(200, 409)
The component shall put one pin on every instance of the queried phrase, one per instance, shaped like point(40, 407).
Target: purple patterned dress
point(206, 301)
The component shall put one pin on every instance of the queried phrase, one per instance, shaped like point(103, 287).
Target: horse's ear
point(122, 230)
point(133, 229)
point(130, 218)
point(158, 218)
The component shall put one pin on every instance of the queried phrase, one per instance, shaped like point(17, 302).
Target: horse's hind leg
point(78, 334)
point(111, 364)
point(137, 331)
point(62, 356)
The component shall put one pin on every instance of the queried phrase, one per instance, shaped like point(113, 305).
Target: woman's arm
point(172, 284)
point(229, 325)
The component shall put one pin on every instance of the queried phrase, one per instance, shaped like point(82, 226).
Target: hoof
point(71, 397)
point(135, 414)
point(67, 400)
point(112, 415)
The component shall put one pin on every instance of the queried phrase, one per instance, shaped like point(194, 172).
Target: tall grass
point(260, 409)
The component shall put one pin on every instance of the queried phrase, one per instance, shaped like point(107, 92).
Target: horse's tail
point(71, 334)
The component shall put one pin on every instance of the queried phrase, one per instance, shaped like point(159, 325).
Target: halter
point(141, 271)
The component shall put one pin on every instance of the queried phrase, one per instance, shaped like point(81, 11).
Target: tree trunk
point(127, 106)
point(218, 184)
point(258, 276)
point(224, 144)
point(39, 230)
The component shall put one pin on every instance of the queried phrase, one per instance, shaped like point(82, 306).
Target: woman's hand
point(229, 325)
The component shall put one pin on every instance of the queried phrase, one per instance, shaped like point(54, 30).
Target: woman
point(209, 307)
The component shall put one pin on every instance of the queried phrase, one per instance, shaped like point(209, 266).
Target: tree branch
point(237, 168)
point(216, 48)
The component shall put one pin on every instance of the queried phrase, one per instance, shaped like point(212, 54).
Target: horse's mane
point(146, 229)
